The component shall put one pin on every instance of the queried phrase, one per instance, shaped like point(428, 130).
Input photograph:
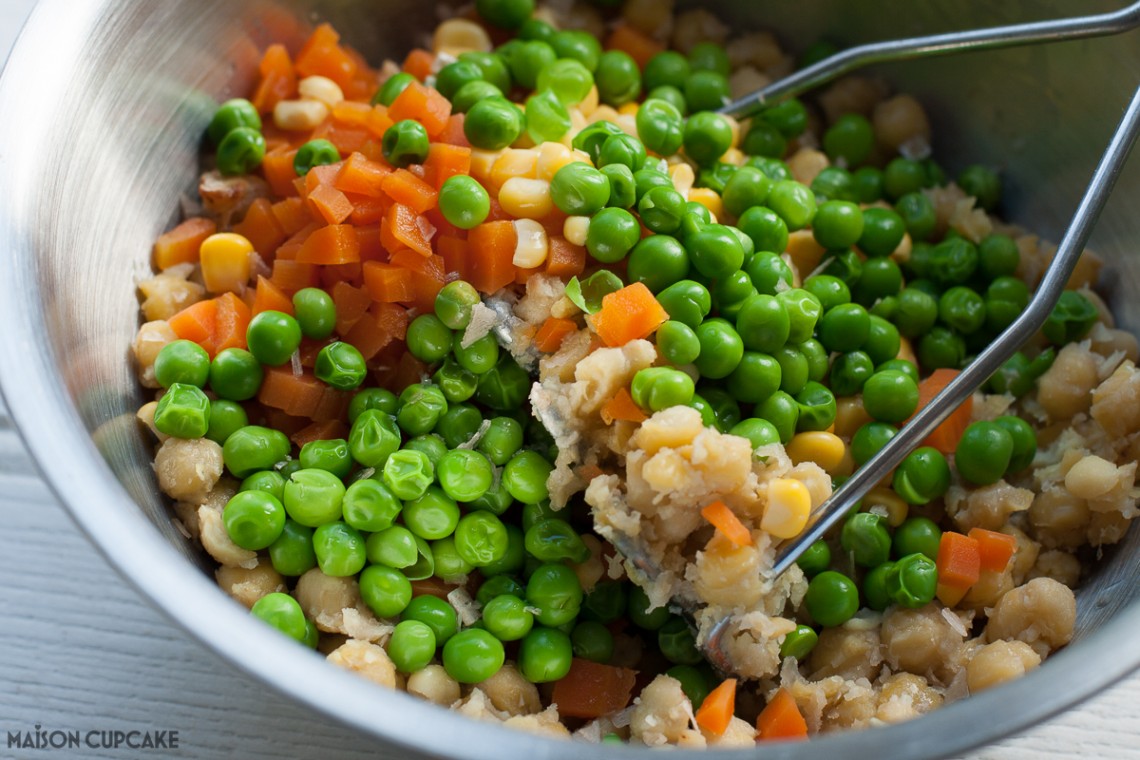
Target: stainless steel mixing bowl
point(101, 109)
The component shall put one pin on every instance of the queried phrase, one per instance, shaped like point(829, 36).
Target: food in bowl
point(441, 336)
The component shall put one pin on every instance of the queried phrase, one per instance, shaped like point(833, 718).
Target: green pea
point(762, 139)
point(545, 655)
point(758, 432)
point(606, 603)
point(918, 215)
point(553, 540)
point(850, 138)
point(507, 617)
point(721, 349)
point(883, 230)
point(1018, 374)
point(963, 309)
point(505, 14)
point(1006, 297)
point(612, 234)
point(716, 176)
point(394, 546)
point(240, 151)
point(674, 97)
point(983, 184)
point(372, 398)
point(232, 114)
point(340, 365)
point(676, 641)
point(844, 264)
point(834, 183)
point(706, 91)
point(623, 187)
point(815, 559)
point(869, 438)
point(875, 587)
point(568, 79)
point(922, 477)
point(453, 76)
point(939, 348)
point(618, 78)
point(254, 519)
point(880, 278)
point(658, 261)
point(795, 370)
point(890, 396)
point(715, 251)
point(450, 565)
point(464, 202)
point(903, 176)
point(369, 505)
point(657, 388)
point(912, 581)
point(998, 256)
point(411, 646)
point(430, 610)
point(340, 550)
point(314, 497)
point(837, 224)
point(546, 117)
point(254, 448)
point(667, 68)
point(424, 566)
point(984, 452)
point(554, 589)
point(661, 210)
point(623, 150)
point(471, 93)
point(768, 273)
point(748, 188)
point(640, 613)
point(660, 126)
point(1071, 319)
point(793, 203)
point(579, 189)
point(392, 88)
point(829, 290)
point(408, 473)
point(707, 137)
point(579, 45)
point(315, 313)
point(183, 412)
point(1024, 442)
point(430, 444)
point(782, 411)
point(513, 560)
point(183, 362)
point(799, 642)
point(868, 182)
point(284, 613)
point(755, 378)
point(404, 143)
point(845, 327)
point(373, 438)
point(687, 302)
point(272, 337)
point(292, 552)
point(917, 312)
point(917, 535)
point(592, 641)
point(493, 124)
point(504, 387)
point(817, 407)
point(331, 455)
point(832, 598)
point(850, 371)
point(524, 477)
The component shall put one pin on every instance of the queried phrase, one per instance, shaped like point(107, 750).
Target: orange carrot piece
point(326, 430)
point(291, 247)
point(553, 331)
point(278, 79)
point(453, 133)
point(781, 718)
point(346, 138)
point(404, 187)
point(378, 123)
point(945, 436)
point(291, 276)
point(629, 314)
point(492, 252)
point(180, 245)
point(351, 113)
point(423, 104)
point(409, 228)
point(622, 407)
point(296, 395)
point(261, 228)
point(198, 322)
point(629, 40)
point(361, 175)
point(351, 304)
point(384, 324)
point(419, 63)
point(232, 321)
point(726, 521)
point(290, 213)
point(367, 212)
point(590, 689)
point(995, 549)
point(445, 161)
point(322, 56)
point(369, 237)
point(455, 255)
point(325, 174)
point(335, 244)
point(269, 297)
point(387, 283)
point(347, 273)
point(959, 560)
point(277, 168)
point(715, 713)
point(564, 259)
point(332, 205)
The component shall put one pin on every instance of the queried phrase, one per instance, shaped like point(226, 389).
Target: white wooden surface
point(80, 649)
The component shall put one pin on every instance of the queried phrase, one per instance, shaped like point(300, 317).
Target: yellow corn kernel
point(804, 251)
point(709, 199)
point(628, 123)
point(481, 163)
point(225, 262)
point(788, 508)
point(513, 162)
point(849, 415)
point(901, 253)
point(578, 122)
point(683, 178)
point(737, 133)
point(299, 115)
point(629, 109)
point(825, 449)
point(734, 156)
point(602, 113)
point(552, 156)
point(583, 156)
point(884, 500)
point(458, 35)
point(526, 198)
point(574, 229)
point(321, 89)
point(532, 245)
point(906, 351)
point(589, 103)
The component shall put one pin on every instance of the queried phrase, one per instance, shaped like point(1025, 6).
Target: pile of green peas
point(235, 133)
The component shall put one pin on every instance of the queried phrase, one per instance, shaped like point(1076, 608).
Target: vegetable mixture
point(438, 337)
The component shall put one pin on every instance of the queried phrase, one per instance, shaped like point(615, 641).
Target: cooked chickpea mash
point(499, 375)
